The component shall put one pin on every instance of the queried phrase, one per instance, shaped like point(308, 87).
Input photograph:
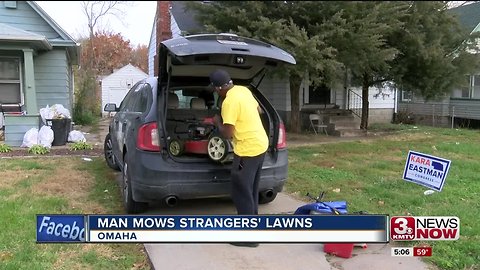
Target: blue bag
point(335, 207)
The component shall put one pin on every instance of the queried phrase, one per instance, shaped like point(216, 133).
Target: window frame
point(406, 95)
point(15, 81)
point(126, 103)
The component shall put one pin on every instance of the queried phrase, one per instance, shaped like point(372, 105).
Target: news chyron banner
point(433, 228)
point(212, 229)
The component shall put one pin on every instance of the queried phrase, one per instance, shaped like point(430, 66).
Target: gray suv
point(162, 138)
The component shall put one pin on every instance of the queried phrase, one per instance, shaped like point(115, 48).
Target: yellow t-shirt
point(240, 110)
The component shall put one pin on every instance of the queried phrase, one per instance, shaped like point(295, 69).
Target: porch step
point(331, 119)
point(332, 112)
point(342, 123)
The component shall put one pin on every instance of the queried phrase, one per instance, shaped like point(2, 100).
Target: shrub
point(404, 117)
point(81, 146)
point(5, 148)
point(38, 150)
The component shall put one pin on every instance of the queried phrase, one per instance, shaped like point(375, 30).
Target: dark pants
point(245, 178)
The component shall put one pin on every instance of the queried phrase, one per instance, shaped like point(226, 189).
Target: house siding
point(465, 108)
point(25, 18)
point(52, 79)
point(419, 106)
point(17, 126)
point(277, 91)
point(434, 113)
point(381, 103)
point(152, 50)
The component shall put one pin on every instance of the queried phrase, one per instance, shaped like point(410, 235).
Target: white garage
point(116, 85)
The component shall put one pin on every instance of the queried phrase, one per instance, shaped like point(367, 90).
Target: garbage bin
point(61, 128)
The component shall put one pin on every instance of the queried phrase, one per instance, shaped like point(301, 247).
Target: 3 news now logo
point(424, 228)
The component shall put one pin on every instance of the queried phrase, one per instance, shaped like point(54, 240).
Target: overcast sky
point(138, 20)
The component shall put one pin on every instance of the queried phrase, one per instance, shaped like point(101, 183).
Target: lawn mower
point(201, 137)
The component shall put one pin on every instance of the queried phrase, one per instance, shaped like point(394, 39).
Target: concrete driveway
point(266, 256)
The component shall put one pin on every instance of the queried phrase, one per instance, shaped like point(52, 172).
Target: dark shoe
point(244, 244)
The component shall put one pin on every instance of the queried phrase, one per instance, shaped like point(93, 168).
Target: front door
point(319, 95)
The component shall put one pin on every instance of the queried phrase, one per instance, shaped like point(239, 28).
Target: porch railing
point(354, 103)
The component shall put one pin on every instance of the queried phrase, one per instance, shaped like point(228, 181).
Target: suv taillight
point(147, 138)
point(282, 137)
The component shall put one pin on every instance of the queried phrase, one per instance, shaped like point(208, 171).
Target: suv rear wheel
point(131, 206)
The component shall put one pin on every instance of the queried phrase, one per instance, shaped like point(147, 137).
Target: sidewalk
point(266, 256)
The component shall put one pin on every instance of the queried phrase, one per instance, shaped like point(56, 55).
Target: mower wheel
point(176, 147)
point(218, 148)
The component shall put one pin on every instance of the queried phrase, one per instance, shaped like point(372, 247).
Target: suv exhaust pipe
point(171, 201)
point(267, 193)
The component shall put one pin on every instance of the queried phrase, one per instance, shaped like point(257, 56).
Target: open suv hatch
point(170, 149)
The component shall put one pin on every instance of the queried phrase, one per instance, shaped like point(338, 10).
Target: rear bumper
point(154, 178)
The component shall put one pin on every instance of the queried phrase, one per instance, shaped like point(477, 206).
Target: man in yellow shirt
point(242, 122)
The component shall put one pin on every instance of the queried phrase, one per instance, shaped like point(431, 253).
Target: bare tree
point(88, 91)
point(95, 12)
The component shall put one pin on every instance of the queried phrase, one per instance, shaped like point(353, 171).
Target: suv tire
point(108, 152)
point(131, 206)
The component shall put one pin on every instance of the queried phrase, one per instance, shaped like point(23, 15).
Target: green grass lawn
point(58, 186)
point(365, 173)
point(368, 175)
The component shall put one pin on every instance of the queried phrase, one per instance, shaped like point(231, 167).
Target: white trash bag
point(46, 113)
point(30, 138)
point(56, 111)
point(76, 136)
point(45, 136)
point(60, 111)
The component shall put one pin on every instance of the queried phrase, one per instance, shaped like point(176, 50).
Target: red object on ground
point(343, 250)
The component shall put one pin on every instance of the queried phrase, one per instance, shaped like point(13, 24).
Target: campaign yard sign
point(426, 170)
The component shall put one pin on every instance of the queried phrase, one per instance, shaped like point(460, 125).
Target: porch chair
point(316, 122)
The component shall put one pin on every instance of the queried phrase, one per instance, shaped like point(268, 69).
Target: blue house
point(36, 67)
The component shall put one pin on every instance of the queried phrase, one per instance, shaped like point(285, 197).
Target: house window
point(476, 86)
point(466, 90)
point(406, 95)
point(10, 88)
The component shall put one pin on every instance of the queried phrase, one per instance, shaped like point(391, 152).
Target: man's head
point(221, 81)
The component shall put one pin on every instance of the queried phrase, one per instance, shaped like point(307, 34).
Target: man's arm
point(226, 130)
